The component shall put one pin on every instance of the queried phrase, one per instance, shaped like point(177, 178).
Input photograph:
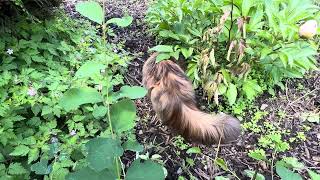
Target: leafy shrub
point(236, 48)
point(63, 104)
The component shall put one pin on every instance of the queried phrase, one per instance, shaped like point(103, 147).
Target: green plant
point(235, 48)
point(64, 109)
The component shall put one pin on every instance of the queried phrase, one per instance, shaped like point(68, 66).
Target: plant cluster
point(65, 112)
point(237, 48)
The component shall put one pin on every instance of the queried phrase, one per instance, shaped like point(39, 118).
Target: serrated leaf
point(99, 112)
point(246, 5)
point(41, 167)
point(145, 170)
point(89, 69)
point(91, 10)
point(33, 155)
point(102, 152)
point(123, 115)
point(286, 174)
point(88, 174)
point(133, 92)
point(162, 48)
point(162, 56)
point(194, 150)
point(313, 175)
point(258, 154)
point(251, 89)
point(121, 22)
point(20, 150)
point(221, 163)
point(16, 169)
point(75, 97)
point(232, 93)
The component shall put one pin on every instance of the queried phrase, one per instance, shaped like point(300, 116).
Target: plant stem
point(229, 41)
point(104, 29)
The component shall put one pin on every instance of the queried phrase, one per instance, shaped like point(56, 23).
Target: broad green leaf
point(91, 10)
point(122, 22)
point(194, 150)
point(250, 174)
point(75, 97)
point(41, 167)
point(133, 145)
point(162, 56)
point(258, 154)
point(133, 92)
point(2, 159)
point(251, 89)
point(88, 174)
point(145, 170)
point(221, 163)
point(123, 115)
point(162, 48)
point(99, 112)
point(285, 173)
point(16, 169)
point(89, 69)
point(20, 150)
point(187, 52)
point(246, 5)
point(102, 153)
point(311, 117)
point(232, 94)
point(33, 155)
point(313, 175)
point(293, 162)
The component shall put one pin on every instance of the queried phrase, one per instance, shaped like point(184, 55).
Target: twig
point(134, 79)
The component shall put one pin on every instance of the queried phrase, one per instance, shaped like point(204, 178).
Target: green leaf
point(232, 94)
point(20, 150)
point(311, 117)
point(313, 175)
point(221, 163)
point(162, 56)
point(102, 153)
point(132, 145)
point(16, 169)
point(2, 159)
point(187, 52)
point(89, 69)
point(293, 162)
point(133, 92)
point(41, 167)
point(194, 150)
point(251, 89)
point(99, 112)
point(123, 115)
point(75, 97)
point(145, 170)
point(91, 10)
point(162, 48)
point(250, 174)
point(88, 174)
point(258, 154)
point(246, 5)
point(221, 178)
point(33, 155)
point(122, 22)
point(285, 173)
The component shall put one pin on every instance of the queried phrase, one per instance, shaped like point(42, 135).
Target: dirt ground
point(300, 95)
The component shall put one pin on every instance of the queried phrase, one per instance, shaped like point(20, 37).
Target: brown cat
point(173, 99)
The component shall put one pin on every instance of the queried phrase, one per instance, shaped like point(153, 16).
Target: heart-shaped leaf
point(91, 10)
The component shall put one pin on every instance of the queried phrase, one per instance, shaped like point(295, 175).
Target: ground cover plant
point(65, 111)
point(70, 90)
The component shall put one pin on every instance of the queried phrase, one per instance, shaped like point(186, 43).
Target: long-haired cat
point(173, 100)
